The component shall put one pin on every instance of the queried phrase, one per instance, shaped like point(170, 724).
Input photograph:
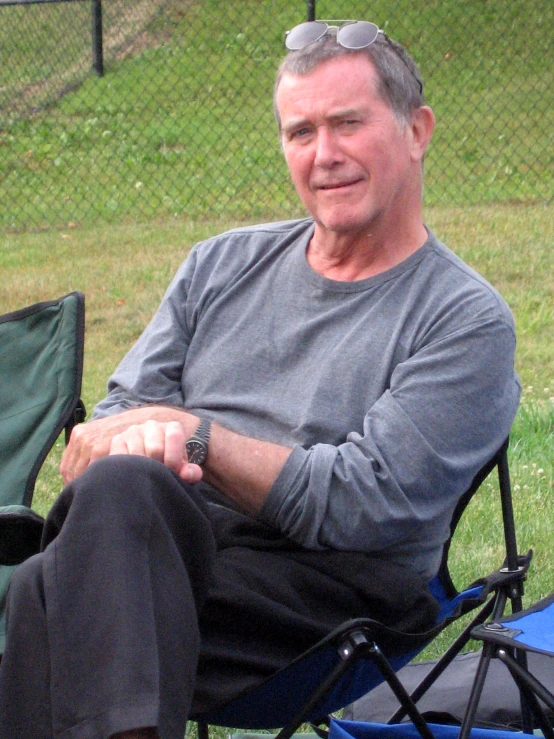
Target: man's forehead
point(352, 70)
point(334, 65)
point(342, 83)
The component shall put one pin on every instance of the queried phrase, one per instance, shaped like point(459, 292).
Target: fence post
point(311, 9)
point(97, 47)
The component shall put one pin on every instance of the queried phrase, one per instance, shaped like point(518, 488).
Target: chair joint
point(354, 642)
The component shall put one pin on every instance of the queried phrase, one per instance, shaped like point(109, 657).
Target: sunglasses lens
point(357, 35)
point(304, 34)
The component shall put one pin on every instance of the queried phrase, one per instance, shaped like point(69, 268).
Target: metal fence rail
point(180, 124)
point(97, 38)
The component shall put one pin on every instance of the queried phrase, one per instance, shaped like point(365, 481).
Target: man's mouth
point(338, 185)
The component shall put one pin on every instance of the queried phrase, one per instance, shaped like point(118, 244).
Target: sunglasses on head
point(351, 34)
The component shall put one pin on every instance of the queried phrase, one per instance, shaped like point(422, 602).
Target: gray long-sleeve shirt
point(393, 390)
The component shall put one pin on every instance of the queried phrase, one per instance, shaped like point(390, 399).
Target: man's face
point(348, 155)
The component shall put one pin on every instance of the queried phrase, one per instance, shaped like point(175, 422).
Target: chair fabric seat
point(269, 705)
point(21, 529)
point(531, 629)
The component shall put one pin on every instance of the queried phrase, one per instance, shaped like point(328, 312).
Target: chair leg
point(401, 693)
point(303, 715)
point(357, 646)
point(447, 658)
point(530, 688)
point(476, 691)
point(203, 730)
point(537, 687)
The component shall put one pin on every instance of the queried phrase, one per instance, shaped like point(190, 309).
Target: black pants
point(146, 605)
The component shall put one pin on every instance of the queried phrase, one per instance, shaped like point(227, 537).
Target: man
point(336, 382)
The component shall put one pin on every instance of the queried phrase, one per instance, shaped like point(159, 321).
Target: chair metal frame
point(499, 644)
point(505, 585)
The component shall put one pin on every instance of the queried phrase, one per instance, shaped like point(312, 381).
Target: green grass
point(181, 126)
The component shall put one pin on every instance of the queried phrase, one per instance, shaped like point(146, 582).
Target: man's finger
point(119, 445)
point(174, 451)
point(76, 456)
point(130, 441)
point(154, 440)
point(191, 473)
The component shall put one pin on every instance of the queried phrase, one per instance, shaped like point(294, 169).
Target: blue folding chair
point(509, 639)
point(351, 661)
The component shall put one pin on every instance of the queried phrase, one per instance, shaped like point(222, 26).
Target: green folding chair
point(41, 367)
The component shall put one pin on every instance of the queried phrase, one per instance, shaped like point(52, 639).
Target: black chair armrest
point(20, 533)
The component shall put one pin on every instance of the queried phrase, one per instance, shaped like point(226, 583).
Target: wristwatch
point(197, 445)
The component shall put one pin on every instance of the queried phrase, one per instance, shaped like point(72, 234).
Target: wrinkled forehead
point(357, 69)
point(342, 82)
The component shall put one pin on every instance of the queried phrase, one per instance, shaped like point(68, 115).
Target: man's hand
point(164, 442)
point(91, 441)
point(242, 468)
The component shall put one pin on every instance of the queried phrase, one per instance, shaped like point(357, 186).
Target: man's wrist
point(197, 445)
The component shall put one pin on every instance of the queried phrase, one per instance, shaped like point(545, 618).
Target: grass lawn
point(181, 126)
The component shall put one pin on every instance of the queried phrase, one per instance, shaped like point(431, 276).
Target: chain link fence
point(180, 123)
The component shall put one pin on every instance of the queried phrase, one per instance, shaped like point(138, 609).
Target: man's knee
point(124, 474)
point(122, 497)
point(138, 484)
point(115, 490)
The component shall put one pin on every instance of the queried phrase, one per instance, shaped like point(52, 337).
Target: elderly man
point(301, 416)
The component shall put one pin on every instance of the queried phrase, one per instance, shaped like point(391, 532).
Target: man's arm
point(243, 468)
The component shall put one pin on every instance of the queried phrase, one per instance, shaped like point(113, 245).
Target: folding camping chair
point(509, 639)
point(350, 661)
point(41, 366)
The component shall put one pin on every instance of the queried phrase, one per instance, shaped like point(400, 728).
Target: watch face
point(196, 451)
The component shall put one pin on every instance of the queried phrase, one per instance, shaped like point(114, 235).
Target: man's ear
point(421, 126)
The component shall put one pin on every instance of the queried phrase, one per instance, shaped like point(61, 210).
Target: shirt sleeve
point(448, 409)
point(151, 372)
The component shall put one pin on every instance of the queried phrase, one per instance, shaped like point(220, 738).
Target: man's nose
point(328, 151)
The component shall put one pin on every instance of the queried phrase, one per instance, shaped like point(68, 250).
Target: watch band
point(197, 445)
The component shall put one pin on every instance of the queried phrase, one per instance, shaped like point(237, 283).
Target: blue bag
point(341, 729)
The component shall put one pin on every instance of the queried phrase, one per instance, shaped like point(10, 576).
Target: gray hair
point(399, 80)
